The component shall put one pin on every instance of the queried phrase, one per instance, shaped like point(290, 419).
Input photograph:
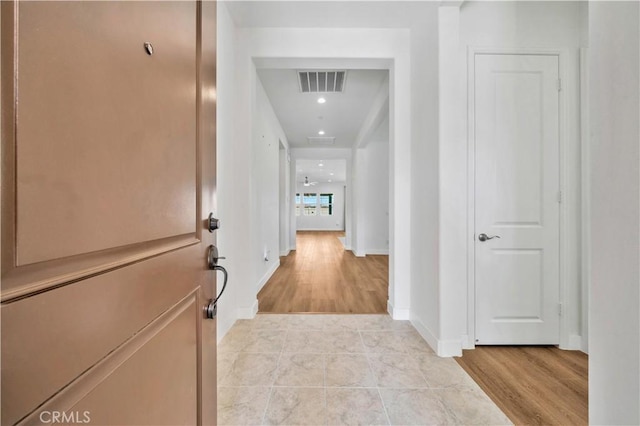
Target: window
point(326, 204)
point(310, 202)
point(297, 204)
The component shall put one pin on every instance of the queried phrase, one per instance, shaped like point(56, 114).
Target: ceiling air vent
point(321, 81)
point(321, 140)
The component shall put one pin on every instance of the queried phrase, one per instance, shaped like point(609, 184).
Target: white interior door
point(516, 198)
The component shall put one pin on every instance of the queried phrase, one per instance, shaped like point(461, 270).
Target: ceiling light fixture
point(321, 132)
point(331, 174)
point(320, 164)
point(329, 180)
point(321, 100)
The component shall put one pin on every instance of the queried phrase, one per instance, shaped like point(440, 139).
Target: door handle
point(212, 257)
point(485, 237)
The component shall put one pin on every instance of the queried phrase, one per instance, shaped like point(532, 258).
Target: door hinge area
point(559, 84)
point(559, 197)
point(559, 309)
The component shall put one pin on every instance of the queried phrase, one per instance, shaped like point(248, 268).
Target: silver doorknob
point(485, 237)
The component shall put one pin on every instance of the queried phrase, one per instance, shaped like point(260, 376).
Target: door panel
point(517, 184)
point(108, 157)
point(106, 140)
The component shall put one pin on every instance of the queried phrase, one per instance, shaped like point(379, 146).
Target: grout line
point(275, 376)
point(384, 407)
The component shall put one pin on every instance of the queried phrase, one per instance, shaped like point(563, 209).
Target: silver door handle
point(485, 237)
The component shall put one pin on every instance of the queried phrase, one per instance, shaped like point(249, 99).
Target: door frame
point(566, 251)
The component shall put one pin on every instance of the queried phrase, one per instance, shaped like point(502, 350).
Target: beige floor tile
point(414, 343)
point(242, 406)
point(471, 407)
point(305, 341)
point(397, 371)
point(308, 322)
point(443, 372)
point(343, 342)
point(300, 370)
point(348, 370)
point(348, 406)
point(381, 342)
point(415, 407)
point(341, 322)
point(249, 369)
point(255, 340)
point(225, 364)
point(296, 406)
point(271, 322)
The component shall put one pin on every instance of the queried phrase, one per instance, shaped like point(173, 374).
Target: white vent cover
point(321, 81)
point(321, 140)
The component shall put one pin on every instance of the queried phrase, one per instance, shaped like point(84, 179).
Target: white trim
point(321, 229)
point(285, 253)
point(575, 343)
point(377, 251)
point(398, 314)
point(359, 253)
point(565, 246)
point(268, 275)
point(585, 165)
point(248, 313)
point(426, 334)
point(442, 348)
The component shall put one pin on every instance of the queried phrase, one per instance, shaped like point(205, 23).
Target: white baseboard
point(359, 253)
point(268, 275)
point(442, 348)
point(449, 348)
point(426, 334)
point(285, 253)
point(248, 313)
point(384, 251)
point(397, 314)
point(575, 343)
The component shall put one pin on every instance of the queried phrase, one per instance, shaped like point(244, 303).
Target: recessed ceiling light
point(321, 132)
point(329, 180)
point(321, 100)
point(331, 174)
point(320, 164)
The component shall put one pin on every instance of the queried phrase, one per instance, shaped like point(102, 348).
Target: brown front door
point(108, 156)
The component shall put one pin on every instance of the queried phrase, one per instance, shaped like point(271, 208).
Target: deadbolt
point(213, 223)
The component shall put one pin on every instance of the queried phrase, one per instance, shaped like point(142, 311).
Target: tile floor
point(342, 370)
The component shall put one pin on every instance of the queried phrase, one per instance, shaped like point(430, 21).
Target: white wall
point(614, 86)
point(335, 222)
point(267, 134)
point(425, 221)
point(516, 26)
point(247, 177)
point(232, 188)
point(285, 199)
point(370, 181)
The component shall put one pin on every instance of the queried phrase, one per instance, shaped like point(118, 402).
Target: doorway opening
point(336, 211)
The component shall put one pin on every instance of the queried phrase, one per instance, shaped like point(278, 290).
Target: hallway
point(322, 277)
point(342, 369)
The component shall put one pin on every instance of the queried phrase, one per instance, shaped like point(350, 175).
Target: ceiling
point(334, 170)
point(330, 14)
point(341, 116)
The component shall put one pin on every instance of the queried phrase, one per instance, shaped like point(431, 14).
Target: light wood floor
point(532, 385)
point(320, 276)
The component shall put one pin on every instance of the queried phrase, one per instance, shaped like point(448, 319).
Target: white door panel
point(517, 183)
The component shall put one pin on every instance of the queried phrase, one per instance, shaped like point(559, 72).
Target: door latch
point(485, 237)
